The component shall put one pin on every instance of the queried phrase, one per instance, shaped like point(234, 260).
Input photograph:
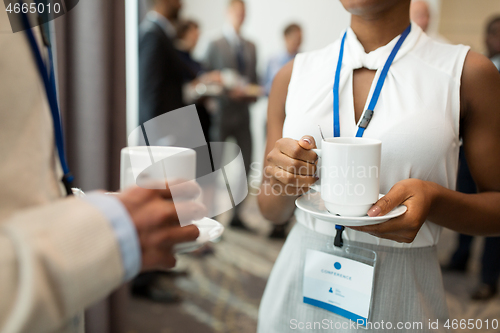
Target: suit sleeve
point(55, 261)
point(210, 56)
point(160, 77)
point(253, 78)
point(151, 67)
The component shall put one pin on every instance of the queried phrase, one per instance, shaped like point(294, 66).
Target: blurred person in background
point(293, 41)
point(493, 41)
point(162, 71)
point(490, 261)
point(420, 13)
point(162, 77)
point(59, 255)
point(188, 34)
point(237, 56)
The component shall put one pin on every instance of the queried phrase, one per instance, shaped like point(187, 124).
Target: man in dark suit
point(161, 69)
point(161, 82)
point(234, 52)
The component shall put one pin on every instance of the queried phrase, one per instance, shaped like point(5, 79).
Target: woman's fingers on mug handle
point(307, 142)
point(291, 165)
point(287, 178)
point(396, 196)
point(299, 150)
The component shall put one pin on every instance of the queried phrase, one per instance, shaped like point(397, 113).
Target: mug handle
point(317, 186)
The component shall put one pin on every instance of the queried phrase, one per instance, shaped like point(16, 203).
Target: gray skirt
point(408, 291)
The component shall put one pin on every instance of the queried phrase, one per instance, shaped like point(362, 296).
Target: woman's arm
point(289, 165)
point(480, 128)
point(474, 214)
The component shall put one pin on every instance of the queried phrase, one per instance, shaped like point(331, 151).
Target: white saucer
point(314, 205)
point(210, 230)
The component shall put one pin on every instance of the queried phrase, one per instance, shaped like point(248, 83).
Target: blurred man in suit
point(293, 41)
point(161, 80)
point(234, 52)
point(420, 13)
point(160, 68)
point(162, 76)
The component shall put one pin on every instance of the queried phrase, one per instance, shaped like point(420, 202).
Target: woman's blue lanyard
point(48, 78)
point(368, 114)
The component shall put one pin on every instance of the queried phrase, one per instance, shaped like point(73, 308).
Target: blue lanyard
point(368, 114)
point(48, 78)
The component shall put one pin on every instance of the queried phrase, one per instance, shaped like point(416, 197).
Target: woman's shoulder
point(443, 57)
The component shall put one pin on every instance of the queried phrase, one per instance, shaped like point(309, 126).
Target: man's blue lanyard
point(49, 81)
point(368, 114)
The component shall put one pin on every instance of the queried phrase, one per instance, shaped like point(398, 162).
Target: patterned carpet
point(221, 292)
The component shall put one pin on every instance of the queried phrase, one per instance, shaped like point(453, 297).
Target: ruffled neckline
point(356, 57)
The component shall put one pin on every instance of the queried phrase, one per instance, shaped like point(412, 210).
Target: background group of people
point(170, 78)
point(222, 86)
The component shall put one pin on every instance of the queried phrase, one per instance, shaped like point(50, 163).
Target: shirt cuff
point(125, 231)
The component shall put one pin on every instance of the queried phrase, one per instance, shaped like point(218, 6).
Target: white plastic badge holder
point(340, 280)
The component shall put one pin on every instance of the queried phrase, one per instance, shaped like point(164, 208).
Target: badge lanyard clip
point(339, 242)
point(49, 81)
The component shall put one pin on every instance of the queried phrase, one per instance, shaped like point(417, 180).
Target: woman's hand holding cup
point(291, 166)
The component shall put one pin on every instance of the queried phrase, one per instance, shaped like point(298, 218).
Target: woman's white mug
point(349, 174)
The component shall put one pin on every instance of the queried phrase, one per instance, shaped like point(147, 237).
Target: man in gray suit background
point(235, 53)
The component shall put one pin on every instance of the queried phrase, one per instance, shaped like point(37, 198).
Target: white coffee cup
point(151, 166)
point(349, 171)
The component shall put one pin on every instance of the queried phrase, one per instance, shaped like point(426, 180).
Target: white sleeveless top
point(416, 118)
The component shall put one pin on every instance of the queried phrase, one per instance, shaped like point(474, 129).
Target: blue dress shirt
point(274, 66)
point(124, 228)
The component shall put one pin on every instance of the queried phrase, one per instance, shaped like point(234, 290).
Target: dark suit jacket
point(221, 55)
point(160, 73)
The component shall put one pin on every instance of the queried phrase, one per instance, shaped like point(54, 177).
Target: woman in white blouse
point(433, 96)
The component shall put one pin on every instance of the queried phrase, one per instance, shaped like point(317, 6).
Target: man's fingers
point(162, 213)
point(157, 259)
point(183, 212)
point(396, 196)
point(168, 237)
point(181, 190)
